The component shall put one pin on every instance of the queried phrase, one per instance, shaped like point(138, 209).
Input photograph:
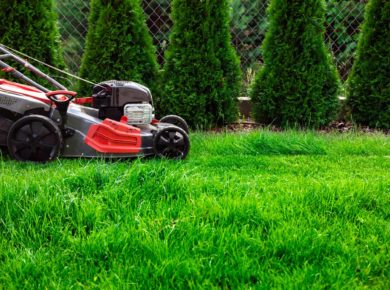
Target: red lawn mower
point(40, 125)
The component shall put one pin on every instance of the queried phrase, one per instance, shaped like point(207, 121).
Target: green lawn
point(258, 210)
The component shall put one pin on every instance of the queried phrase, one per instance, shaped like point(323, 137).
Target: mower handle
point(51, 95)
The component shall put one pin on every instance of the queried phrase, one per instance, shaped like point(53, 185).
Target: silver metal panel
point(19, 103)
point(80, 121)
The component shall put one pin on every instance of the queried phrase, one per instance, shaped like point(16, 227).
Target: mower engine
point(115, 99)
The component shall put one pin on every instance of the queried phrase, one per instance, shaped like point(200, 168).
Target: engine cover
point(110, 97)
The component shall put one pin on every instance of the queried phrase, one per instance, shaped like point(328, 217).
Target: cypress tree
point(230, 62)
point(298, 84)
point(118, 45)
point(369, 82)
point(202, 73)
point(31, 27)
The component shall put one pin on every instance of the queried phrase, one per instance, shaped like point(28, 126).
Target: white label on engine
point(138, 113)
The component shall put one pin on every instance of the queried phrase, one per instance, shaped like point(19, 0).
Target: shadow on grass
point(261, 143)
point(80, 161)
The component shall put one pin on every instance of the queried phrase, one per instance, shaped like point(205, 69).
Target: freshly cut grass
point(259, 210)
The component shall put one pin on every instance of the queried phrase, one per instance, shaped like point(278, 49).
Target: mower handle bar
point(51, 95)
point(26, 64)
point(61, 92)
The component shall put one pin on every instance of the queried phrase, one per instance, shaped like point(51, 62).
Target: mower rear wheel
point(34, 138)
point(177, 121)
point(172, 142)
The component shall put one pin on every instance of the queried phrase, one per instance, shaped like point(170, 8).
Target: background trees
point(369, 83)
point(202, 73)
point(118, 45)
point(298, 84)
point(247, 26)
point(30, 26)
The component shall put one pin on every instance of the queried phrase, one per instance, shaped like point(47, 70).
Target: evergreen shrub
point(202, 74)
point(369, 82)
point(30, 26)
point(118, 45)
point(298, 84)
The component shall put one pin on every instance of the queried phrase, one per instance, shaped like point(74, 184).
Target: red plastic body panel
point(24, 90)
point(82, 101)
point(114, 137)
point(8, 69)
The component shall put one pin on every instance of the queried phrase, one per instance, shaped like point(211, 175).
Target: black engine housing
point(110, 97)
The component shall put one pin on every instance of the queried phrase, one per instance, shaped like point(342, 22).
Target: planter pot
point(245, 106)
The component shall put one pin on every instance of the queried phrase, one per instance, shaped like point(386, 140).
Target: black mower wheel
point(177, 121)
point(172, 142)
point(34, 138)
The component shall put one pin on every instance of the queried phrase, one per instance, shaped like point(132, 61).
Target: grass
point(284, 210)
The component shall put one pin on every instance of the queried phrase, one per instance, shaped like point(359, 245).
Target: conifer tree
point(298, 84)
point(369, 82)
point(202, 74)
point(118, 45)
point(31, 27)
point(230, 62)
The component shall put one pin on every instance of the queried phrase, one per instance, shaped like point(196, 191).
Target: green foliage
point(118, 45)
point(298, 84)
point(369, 83)
point(264, 210)
point(30, 26)
point(226, 104)
point(202, 71)
point(249, 25)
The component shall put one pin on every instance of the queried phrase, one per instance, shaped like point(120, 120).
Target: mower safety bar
point(8, 54)
point(61, 92)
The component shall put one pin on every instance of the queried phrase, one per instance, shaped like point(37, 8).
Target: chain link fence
point(249, 24)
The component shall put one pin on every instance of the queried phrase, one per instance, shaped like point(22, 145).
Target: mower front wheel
point(34, 138)
point(171, 142)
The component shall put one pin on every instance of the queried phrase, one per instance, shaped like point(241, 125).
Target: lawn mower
point(117, 121)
